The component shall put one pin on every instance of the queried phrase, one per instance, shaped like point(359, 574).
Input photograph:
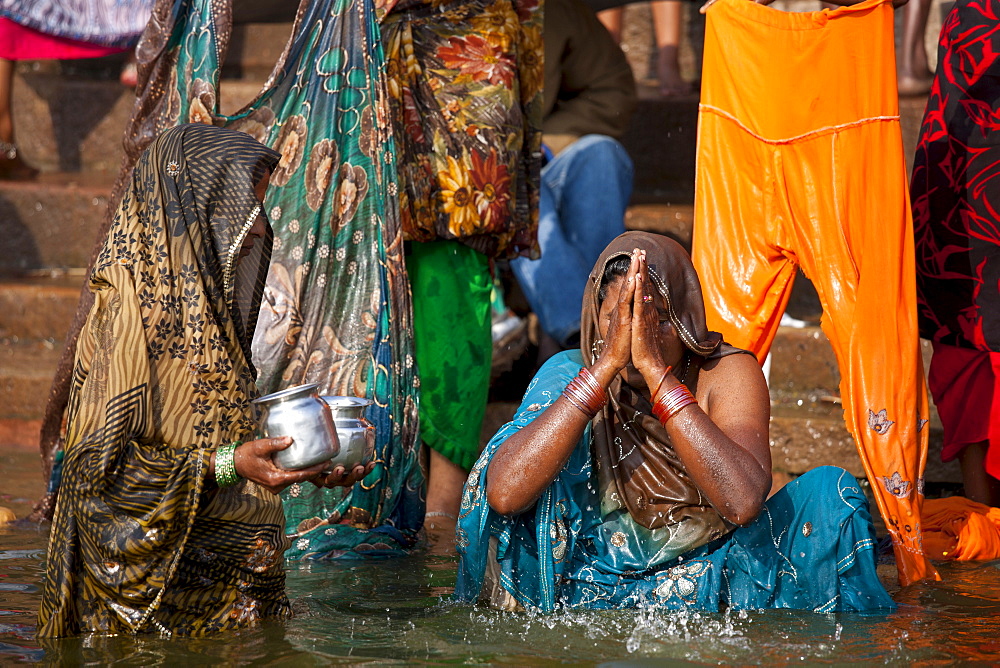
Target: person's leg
point(667, 27)
point(129, 76)
point(980, 486)
point(612, 20)
point(584, 194)
point(11, 165)
point(445, 480)
point(913, 72)
point(963, 383)
point(6, 90)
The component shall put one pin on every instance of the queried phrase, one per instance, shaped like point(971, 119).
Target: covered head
point(162, 378)
point(673, 275)
point(638, 471)
point(200, 181)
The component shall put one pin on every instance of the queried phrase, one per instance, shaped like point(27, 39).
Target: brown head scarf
point(162, 378)
point(637, 467)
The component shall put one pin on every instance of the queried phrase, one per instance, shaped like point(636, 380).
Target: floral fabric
point(465, 86)
point(812, 547)
point(336, 307)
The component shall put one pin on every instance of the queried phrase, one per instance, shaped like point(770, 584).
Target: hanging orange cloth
point(800, 163)
point(958, 529)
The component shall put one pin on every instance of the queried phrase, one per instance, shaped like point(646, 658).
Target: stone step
point(71, 123)
point(26, 370)
point(68, 124)
point(70, 115)
point(51, 222)
point(255, 47)
point(39, 306)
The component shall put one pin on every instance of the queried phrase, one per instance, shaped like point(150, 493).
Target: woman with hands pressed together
point(166, 521)
point(636, 471)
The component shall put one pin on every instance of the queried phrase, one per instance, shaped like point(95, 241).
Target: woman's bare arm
point(723, 441)
point(528, 461)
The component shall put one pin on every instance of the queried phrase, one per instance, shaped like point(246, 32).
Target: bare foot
point(129, 76)
point(980, 486)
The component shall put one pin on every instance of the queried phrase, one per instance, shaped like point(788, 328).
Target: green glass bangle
point(225, 465)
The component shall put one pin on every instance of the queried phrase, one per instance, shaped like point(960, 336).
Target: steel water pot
point(355, 432)
point(299, 412)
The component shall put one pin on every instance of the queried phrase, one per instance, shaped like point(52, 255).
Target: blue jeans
point(585, 190)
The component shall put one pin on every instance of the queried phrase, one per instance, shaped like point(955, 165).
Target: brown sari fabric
point(152, 98)
point(141, 540)
point(636, 464)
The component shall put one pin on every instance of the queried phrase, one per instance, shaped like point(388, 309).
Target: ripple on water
point(399, 611)
point(37, 555)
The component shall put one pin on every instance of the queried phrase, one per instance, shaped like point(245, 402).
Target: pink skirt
point(963, 383)
point(20, 43)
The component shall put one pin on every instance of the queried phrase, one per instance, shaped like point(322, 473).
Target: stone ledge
point(50, 223)
point(26, 369)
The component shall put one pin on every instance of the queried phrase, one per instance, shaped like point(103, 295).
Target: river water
point(398, 612)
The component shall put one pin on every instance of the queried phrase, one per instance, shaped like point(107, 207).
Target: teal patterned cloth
point(811, 548)
point(336, 308)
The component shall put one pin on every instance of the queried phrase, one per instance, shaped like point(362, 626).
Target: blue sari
point(811, 548)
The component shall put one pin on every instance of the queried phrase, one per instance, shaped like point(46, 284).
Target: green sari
point(336, 308)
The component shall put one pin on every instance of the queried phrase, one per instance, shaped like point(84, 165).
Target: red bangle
point(660, 384)
point(586, 393)
point(670, 403)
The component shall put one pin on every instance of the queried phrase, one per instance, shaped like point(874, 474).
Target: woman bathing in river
point(636, 471)
point(165, 521)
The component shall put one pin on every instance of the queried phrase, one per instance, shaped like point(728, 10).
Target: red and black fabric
point(956, 185)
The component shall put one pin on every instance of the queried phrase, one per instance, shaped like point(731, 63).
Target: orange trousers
point(800, 163)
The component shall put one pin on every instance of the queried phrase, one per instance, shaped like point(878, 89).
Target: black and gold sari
point(141, 539)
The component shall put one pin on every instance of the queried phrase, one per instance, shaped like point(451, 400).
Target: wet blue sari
point(812, 547)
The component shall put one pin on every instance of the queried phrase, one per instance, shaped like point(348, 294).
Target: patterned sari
point(336, 308)
point(111, 23)
point(623, 524)
point(812, 547)
point(142, 540)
